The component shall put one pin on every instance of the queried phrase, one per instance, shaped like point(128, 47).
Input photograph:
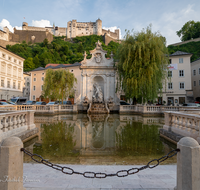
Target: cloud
point(4, 23)
point(170, 22)
point(41, 23)
point(112, 29)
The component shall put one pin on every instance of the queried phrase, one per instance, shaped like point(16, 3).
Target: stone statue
point(86, 100)
point(110, 100)
point(98, 94)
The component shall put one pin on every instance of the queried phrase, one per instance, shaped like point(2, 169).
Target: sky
point(166, 17)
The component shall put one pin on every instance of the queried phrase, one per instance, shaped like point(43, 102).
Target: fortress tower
point(98, 27)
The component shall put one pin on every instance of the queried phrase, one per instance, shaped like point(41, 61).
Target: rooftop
point(180, 53)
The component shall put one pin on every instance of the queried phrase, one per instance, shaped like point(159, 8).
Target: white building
point(11, 74)
point(195, 69)
point(26, 85)
point(177, 88)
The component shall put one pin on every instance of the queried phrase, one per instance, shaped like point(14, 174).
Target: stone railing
point(150, 109)
point(48, 108)
point(7, 108)
point(13, 123)
point(183, 124)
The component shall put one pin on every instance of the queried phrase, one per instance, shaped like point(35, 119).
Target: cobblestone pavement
point(41, 177)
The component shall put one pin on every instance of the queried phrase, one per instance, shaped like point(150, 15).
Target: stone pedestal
point(188, 165)
point(11, 164)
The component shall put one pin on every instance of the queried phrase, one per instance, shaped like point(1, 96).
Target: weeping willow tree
point(58, 84)
point(142, 63)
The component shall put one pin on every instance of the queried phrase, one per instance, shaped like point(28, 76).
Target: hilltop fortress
point(38, 34)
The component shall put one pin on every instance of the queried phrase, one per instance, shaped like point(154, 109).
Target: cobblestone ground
point(41, 177)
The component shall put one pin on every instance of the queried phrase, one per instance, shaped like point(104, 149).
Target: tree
point(28, 64)
point(142, 63)
point(58, 84)
point(190, 30)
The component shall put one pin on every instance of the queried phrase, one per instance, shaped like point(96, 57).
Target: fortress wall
point(185, 42)
point(3, 43)
point(21, 35)
point(108, 39)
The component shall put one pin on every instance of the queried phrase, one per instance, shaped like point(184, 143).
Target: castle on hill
point(38, 34)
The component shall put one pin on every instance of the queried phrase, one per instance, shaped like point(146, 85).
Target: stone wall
point(108, 39)
point(3, 43)
point(30, 36)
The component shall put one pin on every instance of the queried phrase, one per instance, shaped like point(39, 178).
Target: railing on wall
point(13, 123)
point(147, 109)
point(183, 124)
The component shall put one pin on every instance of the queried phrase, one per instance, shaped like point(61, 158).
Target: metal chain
point(88, 174)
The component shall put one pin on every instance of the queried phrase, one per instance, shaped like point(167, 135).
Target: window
point(181, 73)
point(15, 60)
point(170, 61)
point(170, 86)
point(33, 97)
point(2, 83)
point(42, 87)
point(181, 100)
point(28, 84)
point(9, 58)
point(3, 55)
point(169, 73)
point(19, 62)
point(199, 71)
point(42, 73)
point(8, 84)
point(34, 88)
point(199, 82)
point(14, 85)
point(34, 79)
point(42, 78)
point(19, 85)
point(34, 74)
point(182, 85)
point(194, 83)
point(194, 72)
point(180, 60)
point(72, 71)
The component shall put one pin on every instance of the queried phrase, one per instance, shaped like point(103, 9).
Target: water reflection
point(99, 139)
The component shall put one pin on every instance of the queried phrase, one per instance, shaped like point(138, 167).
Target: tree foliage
point(190, 30)
point(60, 51)
point(58, 84)
point(142, 62)
point(191, 47)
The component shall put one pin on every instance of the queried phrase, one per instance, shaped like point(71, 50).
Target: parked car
point(4, 103)
point(192, 105)
point(40, 103)
point(29, 102)
point(3, 100)
point(122, 102)
point(53, 103)
point(18, 100)
point(12, 103)
point(66, 102)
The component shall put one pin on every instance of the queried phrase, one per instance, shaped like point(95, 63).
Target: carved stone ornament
point(98, 57)
point(98, 45)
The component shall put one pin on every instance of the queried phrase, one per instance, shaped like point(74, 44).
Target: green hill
point(59, 51)
point(191, 47)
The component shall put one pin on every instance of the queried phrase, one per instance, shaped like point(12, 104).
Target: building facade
point(195, 72)
point(37, 78)
point(177, 88)
point(26, 85)
point(11, 74)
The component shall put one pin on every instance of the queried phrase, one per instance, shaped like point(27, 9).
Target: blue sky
point(165, 16)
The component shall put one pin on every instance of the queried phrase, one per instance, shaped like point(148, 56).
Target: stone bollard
point(188, 164)
point(11, 164)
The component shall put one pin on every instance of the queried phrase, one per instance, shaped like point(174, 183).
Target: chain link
point(122, 173)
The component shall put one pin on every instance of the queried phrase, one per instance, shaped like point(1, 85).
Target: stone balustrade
point(151, 109)
point(13, 123)
point(48, 108)
point(183, 124)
